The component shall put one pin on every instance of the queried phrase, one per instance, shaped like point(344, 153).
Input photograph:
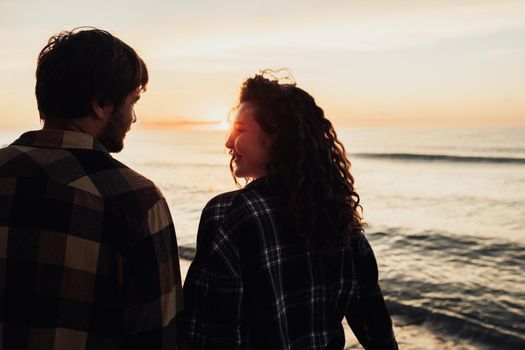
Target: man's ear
point(101, 111)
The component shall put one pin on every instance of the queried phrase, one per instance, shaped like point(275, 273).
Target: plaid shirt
point(88, 253)
point(255, 285)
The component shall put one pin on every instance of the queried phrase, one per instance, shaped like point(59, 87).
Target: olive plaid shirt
point(88, 252)
point(255, 285)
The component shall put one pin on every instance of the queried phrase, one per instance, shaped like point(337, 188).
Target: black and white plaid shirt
point(253, 284)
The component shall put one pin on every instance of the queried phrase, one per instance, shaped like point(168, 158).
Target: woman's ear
point(269, 140)
point(101, 111)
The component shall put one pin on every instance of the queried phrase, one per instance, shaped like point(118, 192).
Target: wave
point(172, 164)
point(452, 325)
point(484, 305)
point(470, 308)
point(440, 158)
point(187, 252)
point(468, 247)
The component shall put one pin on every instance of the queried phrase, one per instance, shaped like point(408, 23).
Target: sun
point(224, 125)
point(217, 115)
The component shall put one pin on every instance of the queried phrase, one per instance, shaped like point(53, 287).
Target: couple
point(88, 252)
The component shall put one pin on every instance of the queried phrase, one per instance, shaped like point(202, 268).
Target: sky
point(372, 63)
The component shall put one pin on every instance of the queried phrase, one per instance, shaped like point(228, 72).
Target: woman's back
point(257, 284)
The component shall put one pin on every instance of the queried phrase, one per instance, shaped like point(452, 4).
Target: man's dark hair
point(79, 66)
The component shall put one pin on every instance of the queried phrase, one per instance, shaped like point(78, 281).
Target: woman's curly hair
point(308, 164)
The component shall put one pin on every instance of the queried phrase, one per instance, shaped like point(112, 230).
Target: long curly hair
point(308, 165)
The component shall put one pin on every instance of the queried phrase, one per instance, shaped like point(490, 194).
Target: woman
point(281, 262)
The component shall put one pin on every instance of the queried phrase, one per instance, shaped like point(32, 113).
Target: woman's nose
point(229, 141)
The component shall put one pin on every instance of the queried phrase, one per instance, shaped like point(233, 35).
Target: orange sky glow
point(368, 63)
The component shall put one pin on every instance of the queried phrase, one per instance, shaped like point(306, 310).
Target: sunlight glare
point(224, 125)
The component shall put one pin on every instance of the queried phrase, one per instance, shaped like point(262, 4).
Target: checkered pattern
point(88, 252)
point(255, 285)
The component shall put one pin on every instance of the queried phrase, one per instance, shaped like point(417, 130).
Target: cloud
point(506, 53)
point(361, 30)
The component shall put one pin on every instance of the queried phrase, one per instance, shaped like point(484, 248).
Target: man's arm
point(367, 314)
point(152, 289)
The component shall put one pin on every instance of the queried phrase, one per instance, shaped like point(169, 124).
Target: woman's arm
point(367, 314)
point(213, 289)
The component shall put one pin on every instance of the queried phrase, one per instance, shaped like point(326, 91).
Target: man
point(88, 252)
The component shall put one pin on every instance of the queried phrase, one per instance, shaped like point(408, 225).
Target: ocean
point(445, 210)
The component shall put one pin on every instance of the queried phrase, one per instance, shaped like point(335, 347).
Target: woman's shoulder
point(248, 201)
point(360, 243)
point(220, 204)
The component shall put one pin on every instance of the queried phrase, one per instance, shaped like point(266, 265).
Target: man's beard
point(113, 134)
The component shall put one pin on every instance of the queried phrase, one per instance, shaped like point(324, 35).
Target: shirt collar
point(49, 138)
point(257, 183)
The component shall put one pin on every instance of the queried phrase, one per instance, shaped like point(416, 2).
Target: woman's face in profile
point(248, 144)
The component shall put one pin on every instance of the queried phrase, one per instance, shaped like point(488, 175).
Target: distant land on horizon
point(217, 124)
point(180, 124)
point(222, 125)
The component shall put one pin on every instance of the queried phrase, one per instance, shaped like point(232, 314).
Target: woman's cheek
point(240, 143)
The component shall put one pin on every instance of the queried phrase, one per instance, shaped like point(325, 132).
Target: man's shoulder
point(127, 191)
point(9, 153)
point(98, 172)
point(117, 179)
point(86, 170)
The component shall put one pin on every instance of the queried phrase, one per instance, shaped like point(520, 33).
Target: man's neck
point(85, 124)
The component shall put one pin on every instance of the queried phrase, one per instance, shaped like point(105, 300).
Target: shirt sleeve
point(213, 289)
point(367, 314)
point(152, 289)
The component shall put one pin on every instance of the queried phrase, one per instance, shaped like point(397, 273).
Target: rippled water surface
point(445, 210)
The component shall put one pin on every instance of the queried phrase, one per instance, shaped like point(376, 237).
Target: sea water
point(445, 210)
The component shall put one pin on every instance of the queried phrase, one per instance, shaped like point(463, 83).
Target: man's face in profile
point(119, 123)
